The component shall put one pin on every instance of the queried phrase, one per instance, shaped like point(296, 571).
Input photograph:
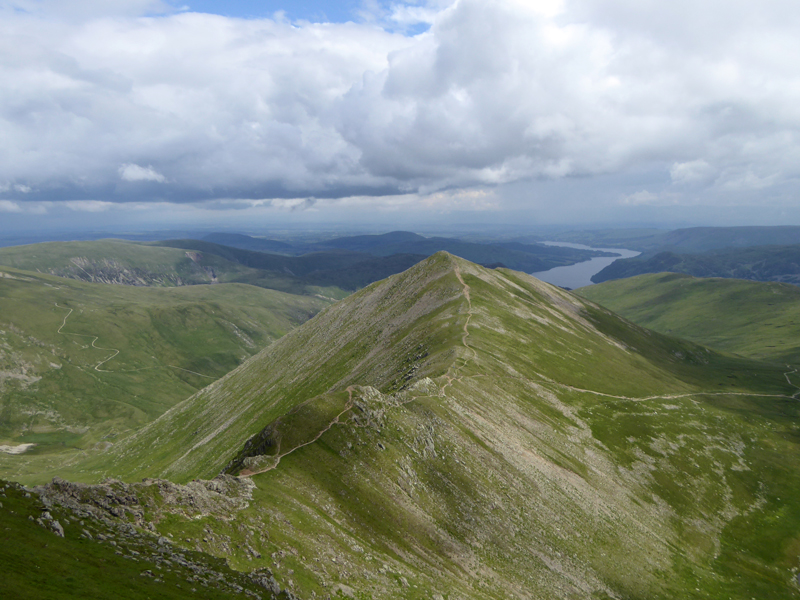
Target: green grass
point(164, 264)
point(551, 449)
point(66, 395)
point(757, 320)
point(516, 442)
point(39, 564)
point(759, 263)
point(118, 261)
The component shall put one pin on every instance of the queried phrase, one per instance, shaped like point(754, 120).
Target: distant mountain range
point(759, 263)
point(685, 241)
point(529, 258)
point(332, 268)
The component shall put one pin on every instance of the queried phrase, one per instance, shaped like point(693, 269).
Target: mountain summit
point(462, 432)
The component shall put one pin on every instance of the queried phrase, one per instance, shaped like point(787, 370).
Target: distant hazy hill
point(246, 242)
point(337, 270)
point(192, 262)
point(759, 320)
point(118, 261)
point(529, 258)
point(461, 432)
point(83, 363)
point(761, 263)
point(690, 240)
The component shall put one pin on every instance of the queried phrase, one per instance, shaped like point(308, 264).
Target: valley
point(84, 364)
point(450, 431)
point(473, 433)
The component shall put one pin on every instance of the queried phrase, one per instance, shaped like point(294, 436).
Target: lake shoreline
point(579, 275)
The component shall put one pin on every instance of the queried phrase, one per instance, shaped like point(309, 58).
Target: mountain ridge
point(475, 433)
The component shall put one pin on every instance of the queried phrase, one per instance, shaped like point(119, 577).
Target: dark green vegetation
point(83, 364)
point(117, 261)
point(178, 263)
point(334, 272)
point(760, 263)
point(331, 269)
point(758, 320)
point(477, 433)
point(528, 258)
point(684, 241)
point(96, 560)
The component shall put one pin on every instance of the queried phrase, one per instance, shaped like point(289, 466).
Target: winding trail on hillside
point(465, 335)
point(661, 396)
point(789, 381)
point(453, 375)
point(350, 389)
point(115, 352)
point(348, 405)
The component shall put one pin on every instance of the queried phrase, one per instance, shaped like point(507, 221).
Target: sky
point(144, 114)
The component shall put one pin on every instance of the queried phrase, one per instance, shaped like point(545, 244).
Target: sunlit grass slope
point(82, 364)
point(118, 261)
point(39, 564)
point(472, 433)
point(758, 320)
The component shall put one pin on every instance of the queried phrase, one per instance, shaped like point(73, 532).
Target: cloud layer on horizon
point(187, 107)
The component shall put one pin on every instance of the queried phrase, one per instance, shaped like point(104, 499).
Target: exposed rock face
point(220, 497)
point(113, 513)
point(114, 272)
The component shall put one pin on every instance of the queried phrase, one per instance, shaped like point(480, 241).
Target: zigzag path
point(115, 352)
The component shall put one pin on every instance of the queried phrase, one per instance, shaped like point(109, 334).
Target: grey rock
point(57, 528)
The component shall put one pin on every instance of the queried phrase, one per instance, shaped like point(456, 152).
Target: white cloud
point(133, 172)
point(493, 93)
point(91, 206)
point(640, 197)
point(695, 171)
point(9, 206)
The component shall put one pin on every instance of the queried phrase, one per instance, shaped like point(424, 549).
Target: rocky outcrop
point(114, 499)
point(113, 513)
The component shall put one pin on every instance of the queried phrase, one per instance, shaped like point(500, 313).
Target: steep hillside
point(50, 552)
point(82, 363)
point(120, 262)
point(760, 263)
point(460, 432)
point(758, 320)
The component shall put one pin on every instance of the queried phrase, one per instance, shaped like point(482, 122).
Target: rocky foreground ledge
point(123, 517)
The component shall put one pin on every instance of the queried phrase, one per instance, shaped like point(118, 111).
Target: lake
point(579, 274)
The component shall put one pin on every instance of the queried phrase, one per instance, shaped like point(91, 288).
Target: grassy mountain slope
point(758, 320)
point(480, 434)
point(97, 560)
point(118, 261)
point(81, 363)
point(760, 263)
